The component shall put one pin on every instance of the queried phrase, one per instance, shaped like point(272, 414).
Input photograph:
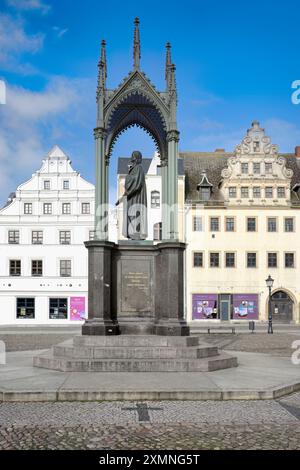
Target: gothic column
point(172, 197)
point(101, 191)
point(164, 199)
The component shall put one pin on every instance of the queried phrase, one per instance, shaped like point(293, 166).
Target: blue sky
point(235, 60)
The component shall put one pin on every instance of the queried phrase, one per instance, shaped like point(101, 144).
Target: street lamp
point(269, 282)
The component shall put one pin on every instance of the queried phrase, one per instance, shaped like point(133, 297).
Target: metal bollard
point(252, 326)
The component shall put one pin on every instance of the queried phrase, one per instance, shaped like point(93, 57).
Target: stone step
point(136, 340)
point(138, 352)
point(49, 361)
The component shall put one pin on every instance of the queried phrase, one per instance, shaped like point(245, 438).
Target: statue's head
point(136, 157)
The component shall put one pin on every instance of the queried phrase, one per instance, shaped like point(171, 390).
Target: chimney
point(297, 151)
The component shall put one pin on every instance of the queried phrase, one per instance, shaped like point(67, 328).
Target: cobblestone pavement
point(152, 425)
point(278, 344)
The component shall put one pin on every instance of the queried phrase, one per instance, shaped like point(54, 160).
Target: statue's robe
point(135, 224)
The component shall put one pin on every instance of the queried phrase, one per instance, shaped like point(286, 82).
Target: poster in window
point(205, 306)
point(245, 306)
point(77, 308)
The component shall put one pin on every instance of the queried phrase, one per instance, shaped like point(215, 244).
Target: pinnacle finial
point(168, 62)
point(136, 44)
point(102, 70)
point(103, 57)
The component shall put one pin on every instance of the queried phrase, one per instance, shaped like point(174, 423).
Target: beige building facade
point(242, 216)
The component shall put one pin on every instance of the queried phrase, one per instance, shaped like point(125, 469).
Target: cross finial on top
point(136, 45)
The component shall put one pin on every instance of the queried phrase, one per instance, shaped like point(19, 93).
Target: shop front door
point(282, 307)
point(225, 307)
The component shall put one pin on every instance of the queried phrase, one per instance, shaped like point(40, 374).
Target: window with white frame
point(47, 208)
point(66, 208)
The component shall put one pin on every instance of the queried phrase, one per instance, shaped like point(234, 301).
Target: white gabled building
point(43, 268)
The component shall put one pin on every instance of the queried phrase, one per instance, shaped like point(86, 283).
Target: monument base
point(135, 288)
point(134, 353)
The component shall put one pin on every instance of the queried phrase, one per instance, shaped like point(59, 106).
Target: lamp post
point(269, 282)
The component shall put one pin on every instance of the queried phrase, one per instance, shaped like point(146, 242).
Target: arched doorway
point(282, 306)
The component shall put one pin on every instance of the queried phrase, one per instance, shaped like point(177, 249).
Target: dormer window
point(256, 146)
point(204, 194)
point(244, 168)
point(204, 188)
point(268, 168)
point(256, 168)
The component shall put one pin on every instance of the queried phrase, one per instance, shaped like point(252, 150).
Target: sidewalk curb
point(134, 395)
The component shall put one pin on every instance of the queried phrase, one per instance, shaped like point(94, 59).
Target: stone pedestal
point(135, 288)
point(101, 320)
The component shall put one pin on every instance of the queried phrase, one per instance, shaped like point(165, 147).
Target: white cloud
point(60, 32)
point(15, 41)
point(32, 122)
point(28, 5)
point(283, 133)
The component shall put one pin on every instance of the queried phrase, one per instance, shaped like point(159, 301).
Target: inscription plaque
point(136, 292)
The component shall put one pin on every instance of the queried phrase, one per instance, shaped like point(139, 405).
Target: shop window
point(58, 309)
point(25, 307)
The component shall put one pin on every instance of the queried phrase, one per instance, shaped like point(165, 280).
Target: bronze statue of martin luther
point(134, 199)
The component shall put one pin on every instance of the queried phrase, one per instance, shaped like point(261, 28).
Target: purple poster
point(204, 306)
point(77, 308)
point(245, 306)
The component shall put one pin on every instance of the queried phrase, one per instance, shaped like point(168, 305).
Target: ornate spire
point(168, 63)
point(172, 86)
point(136, 45)
point(102, 67)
